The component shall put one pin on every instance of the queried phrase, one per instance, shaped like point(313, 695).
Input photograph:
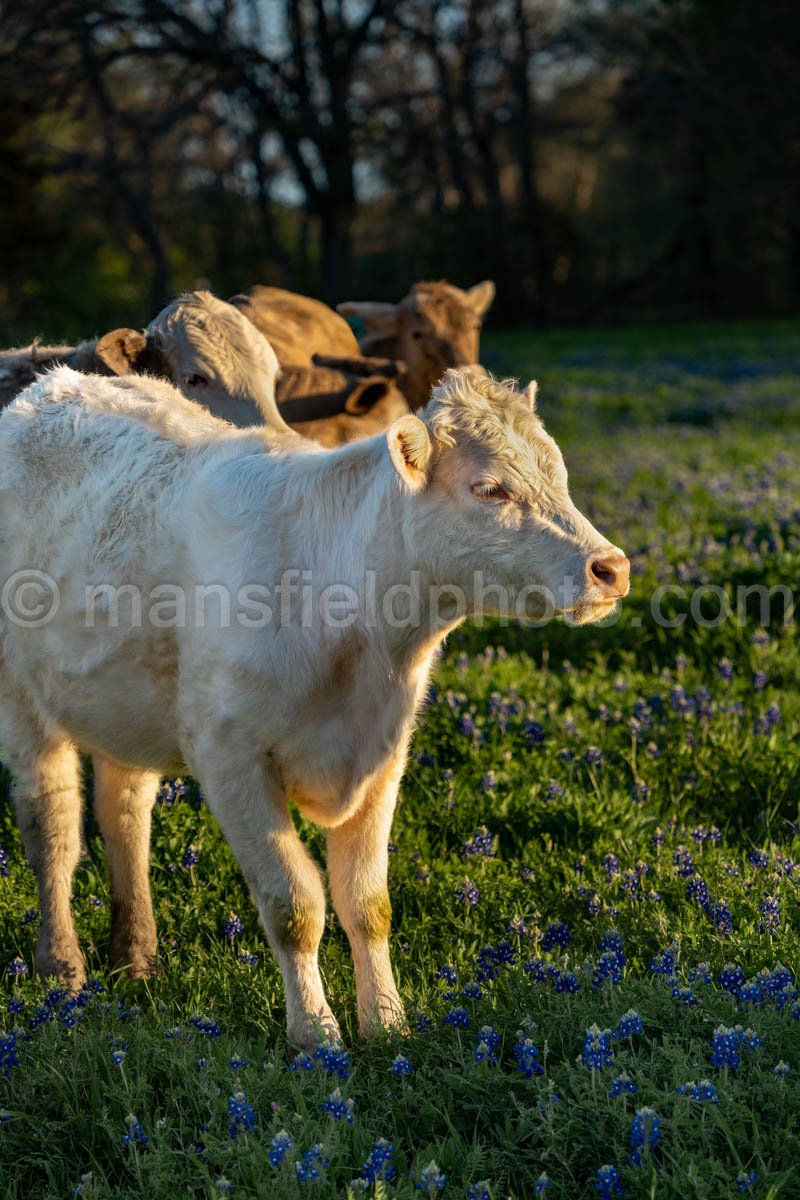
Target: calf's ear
point(410, 449)
point(480, 297)
point(378, 318)
point(123, 351)
point(530, 394)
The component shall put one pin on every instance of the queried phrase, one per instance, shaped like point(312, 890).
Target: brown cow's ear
point(410, 449)
point(480, 297)
point(365, 395)
point(378, 318)
point(124, 351)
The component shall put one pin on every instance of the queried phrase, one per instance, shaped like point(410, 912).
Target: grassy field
point(594, 857)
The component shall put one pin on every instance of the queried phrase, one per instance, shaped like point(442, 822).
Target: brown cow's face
point(435, 327)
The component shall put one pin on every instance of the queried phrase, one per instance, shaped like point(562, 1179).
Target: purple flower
point(379, 1167)
point(232, 927)
point(339, 1108)
point(556, 934)
point(468, 894)
point(279, 1145)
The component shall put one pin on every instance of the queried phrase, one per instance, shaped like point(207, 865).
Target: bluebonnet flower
point(608, 1183)
point(481, 844)
point(611, 865)
point(171, 790)
point(489, 781)
point(191, 857)
point(639, 791)
point(781, 1068)
point(607, 969)
point(431, 1180)
point(684, 995)
point(401, 1066)
point(666, 963)
point(468, 894)
point(597, 1053)
point(9, 1058)
point(241, 1118)
point(536, 968)
point(331, 1057)
point(448, 972)
point(527, 1056)
point(683, 862)
point(701, 974)
point(487, 1046)
point(379, 1167)
point(645, 1133)
point(279, 1146)
point(232, 927)
point(29, 916)
point(745, 1182)
point(118, 1056)
point(725, 668)
point(466, 726)
point(567, 981)
point(313, 1163)
point(621, 1085)
point(472, 991)
point(758, 858)
point(206, 1025)
point(16, 1004)
point(658, 838)
point(527, 875)
point(731, 978)
point(423, 1023)
point(760, 681)
point(704, 1090)
point(17, 967)
point(534, 733)
point(238, 1063)
point(247, 960)
point(697, 890)
point(553, 790)
point(339, 1108)
point(458, 1018)
point(223, 1185)
point(135, 1135)
point(770, 909)
point(541, 1185)
point(629, 1023)
point(727, 1043)
point(3, 864)
point(556, 934)
point(479, 1190)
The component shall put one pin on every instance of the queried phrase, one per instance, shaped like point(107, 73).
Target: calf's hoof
point(139, 959)
point(67, 966)
point(307, 1031)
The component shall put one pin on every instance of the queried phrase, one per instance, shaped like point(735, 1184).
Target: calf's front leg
point(251, 808)
point(358, 862)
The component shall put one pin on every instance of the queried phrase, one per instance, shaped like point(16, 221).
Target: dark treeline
point(599, 159)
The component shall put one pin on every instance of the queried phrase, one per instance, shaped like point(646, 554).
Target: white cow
point(122, 482)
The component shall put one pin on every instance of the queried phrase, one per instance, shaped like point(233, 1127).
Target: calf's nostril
point(604, 573)
point(611, 573)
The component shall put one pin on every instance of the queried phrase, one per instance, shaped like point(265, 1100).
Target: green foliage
point(597, 759)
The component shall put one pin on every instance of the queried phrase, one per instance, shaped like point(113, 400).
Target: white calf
point(112, 482)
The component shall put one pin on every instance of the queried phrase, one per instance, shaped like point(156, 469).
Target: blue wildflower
point(607, 970)
point(629, 1023)
point(331, 1057)
point(597, 1052)
point(339, 1108)
point(621, 1085)
point(704, 1090)
point(313, 1163)
point(232, 927)
point(556, 934)
point(527, 1056)
point(17, 967)
point(458, 1018)
point(379, 1167)
point(645, 1133)
point(241, 1118)
point(468, 894)
point(745, 1182)
point(481, 844)
point(279, 1146)
point(191, 857)
point(479, 1190)
point(608, 1183)
point(488, 1044)
point(8, 1053)
point(135, 1135)
point(770, 909)
point(431, 1180)
point(401, 1066)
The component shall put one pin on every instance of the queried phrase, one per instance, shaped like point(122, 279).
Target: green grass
point(684, 446)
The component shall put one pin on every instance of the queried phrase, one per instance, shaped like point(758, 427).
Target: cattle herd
point(157, 468)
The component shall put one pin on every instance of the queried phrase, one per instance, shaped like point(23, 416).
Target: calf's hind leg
point(47, 799)
point(123, 803)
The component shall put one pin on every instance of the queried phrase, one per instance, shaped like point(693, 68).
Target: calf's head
point(209, 350)
point(490, 514)
point(434, 327)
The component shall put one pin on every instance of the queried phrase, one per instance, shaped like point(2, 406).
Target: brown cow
point(434, 327)
point(297, 327)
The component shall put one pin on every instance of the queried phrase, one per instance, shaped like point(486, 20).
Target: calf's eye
point(490, 491)
point(195, 381)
